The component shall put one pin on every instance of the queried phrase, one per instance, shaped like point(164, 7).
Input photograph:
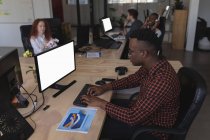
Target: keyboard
point(104, 43)
point(115, 35)
point(107, 43)
point(115, 45)
point(84, 91)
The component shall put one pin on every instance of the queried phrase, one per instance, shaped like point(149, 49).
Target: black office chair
point(56, 29)
point(193, 92)
point(125, 52)
point(25, 31)
point(161, 27)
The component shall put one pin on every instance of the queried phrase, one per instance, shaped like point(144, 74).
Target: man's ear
point(144, 53)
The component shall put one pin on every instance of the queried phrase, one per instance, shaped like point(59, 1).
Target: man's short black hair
point(148, 36)
point(133, 13)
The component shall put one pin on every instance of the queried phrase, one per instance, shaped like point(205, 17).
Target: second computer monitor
point(54, 65)
point(106, 23)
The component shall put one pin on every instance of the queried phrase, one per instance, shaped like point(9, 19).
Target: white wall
point(204, 10)
point(10, 32)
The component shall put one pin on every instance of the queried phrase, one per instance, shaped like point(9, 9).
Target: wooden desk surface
point(87, 71)
point(47, 121)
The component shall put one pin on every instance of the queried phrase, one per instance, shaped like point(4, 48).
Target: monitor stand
point(61, 88)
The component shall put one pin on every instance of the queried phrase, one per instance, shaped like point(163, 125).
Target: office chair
point(56, 29)
point(82, 35)
point(25, 31)
point(125, 52)
point(161, 27)
point(193, 92)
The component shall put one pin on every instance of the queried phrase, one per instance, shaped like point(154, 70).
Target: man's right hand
point(99, 90)
point(95, 90)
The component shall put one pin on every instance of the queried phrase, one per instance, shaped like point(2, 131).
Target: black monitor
point(10, 75)
point(107, 25)
point(53, 65)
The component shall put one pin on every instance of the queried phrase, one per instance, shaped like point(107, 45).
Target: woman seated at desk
point(152, 22)
point(41, 38)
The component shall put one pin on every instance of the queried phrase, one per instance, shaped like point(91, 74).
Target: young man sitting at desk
point(133, 21)
point(156, 104)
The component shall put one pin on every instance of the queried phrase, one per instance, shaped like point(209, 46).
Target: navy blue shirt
point(135, 25)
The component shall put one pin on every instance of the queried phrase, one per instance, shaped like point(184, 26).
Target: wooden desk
point(47, 121)
point(88, 71)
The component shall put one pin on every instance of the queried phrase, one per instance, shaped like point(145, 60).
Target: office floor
point(200, 61)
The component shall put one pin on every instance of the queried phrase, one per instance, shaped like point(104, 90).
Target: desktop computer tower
point(12, 124)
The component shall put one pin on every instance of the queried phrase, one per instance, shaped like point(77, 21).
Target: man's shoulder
point(167, 71)
point(136, 25)
point(138, 22)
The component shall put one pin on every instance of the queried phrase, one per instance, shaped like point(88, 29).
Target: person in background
point(152, 22)
point(157, 102)
point(132, 21)
point(41, 38)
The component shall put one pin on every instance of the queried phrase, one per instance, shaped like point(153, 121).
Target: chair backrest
point(83, 35)
point(193, 92)
point(125, 52)
point(162, 24)
point(56, 29)
point(161, 27)
point(25, 31)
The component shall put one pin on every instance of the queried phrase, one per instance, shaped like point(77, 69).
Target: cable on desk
point(34, 102)
point(43, 101)
point(33, 123)
point(31, 92)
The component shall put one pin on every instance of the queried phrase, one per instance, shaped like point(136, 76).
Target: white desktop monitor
point(107, 25)
point(55, 64)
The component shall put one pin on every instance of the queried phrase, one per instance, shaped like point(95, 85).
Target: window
point(74, 2)
point(131, 1)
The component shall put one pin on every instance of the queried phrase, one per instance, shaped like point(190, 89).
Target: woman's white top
point(40, 44)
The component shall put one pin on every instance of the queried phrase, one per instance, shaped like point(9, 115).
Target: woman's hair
point(34, 31)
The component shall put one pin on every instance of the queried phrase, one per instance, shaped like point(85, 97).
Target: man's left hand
point(94, 101)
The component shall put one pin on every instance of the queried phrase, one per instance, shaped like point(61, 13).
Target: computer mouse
point(121, 70)
point(101, 82)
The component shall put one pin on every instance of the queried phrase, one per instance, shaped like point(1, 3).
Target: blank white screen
point(107, 24)
point(55, 64)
